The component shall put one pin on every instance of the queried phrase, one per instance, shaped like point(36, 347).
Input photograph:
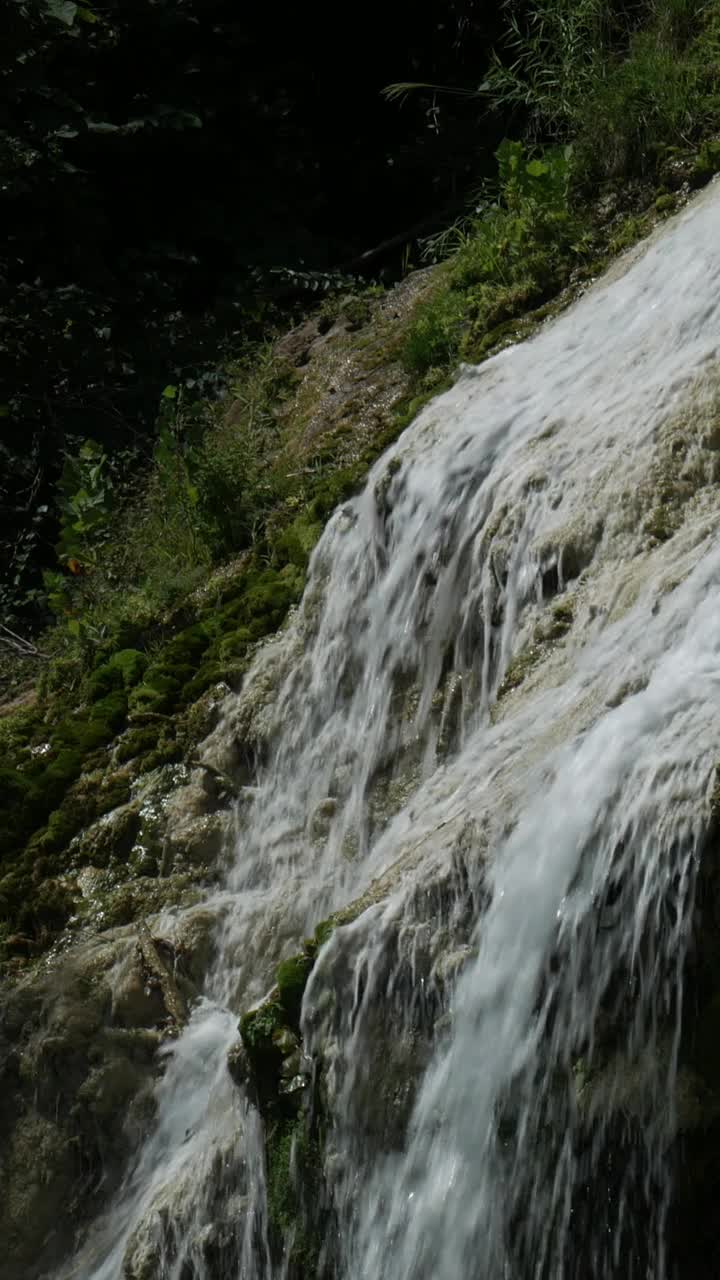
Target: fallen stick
point(175, 1005)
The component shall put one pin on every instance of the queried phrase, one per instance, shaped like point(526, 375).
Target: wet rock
point(196, 799)
point(244, 734)
point(195, 842)
point(135, 1002)
point(322, 817)
point(205, 714)
point(295, 346)
point(78, 1062)
point(194, 937)
point(239, 1063)
point(110, 839)
point(39, 1165)
point(64, 1086)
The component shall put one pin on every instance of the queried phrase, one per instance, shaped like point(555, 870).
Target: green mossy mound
point(292, 976)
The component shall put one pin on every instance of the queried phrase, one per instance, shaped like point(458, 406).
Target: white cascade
point(492, 723)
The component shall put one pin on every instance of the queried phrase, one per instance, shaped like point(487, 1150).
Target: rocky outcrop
point(79, 1040)
point(78, 1060)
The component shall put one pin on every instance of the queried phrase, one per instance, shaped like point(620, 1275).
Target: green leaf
point(170, 393)
point(102, 126)
point(537, 168)
point(63, 10)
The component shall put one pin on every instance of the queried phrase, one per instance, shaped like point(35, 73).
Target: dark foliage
point(170, 171)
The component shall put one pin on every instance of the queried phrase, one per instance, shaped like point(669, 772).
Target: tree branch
point(25, 648)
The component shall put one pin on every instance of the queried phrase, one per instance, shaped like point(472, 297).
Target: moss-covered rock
point(136, 742)
point(295, 1194)
point(292, 976)
point(258, 1029)
point(108, 841)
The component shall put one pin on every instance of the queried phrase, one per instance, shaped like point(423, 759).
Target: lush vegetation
point(171, 178)
point(153, 233)
point(620, 105)
point(167, 555)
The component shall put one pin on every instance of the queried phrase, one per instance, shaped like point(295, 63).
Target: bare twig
point(25, 648)
point(175, 1005)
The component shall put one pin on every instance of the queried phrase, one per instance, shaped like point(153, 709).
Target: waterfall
point(492, 724)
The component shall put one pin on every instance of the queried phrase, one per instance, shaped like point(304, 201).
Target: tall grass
point(215, 475)
point(622, 82)
point(513, 254)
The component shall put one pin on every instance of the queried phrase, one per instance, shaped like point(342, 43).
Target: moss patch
point(295, 1194)
point(292, 976)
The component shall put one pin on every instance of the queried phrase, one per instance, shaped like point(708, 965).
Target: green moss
point(85, 803)
point(227, 669)
point(267, 600)
point(50, 908)
point(295, 544)
point(631, 229)
point(294, 1194)
point(170, 670)
point(258, 1029)
point(103, 680)
point(130, 663)
point(167, 751)
point(282, 1199)
point(660, 524)
point(39, 785)
point(259, 608)
point(38, 910)
point(159, 694)
point(324, 932)
point(292, 976)
point(433, 338)
point(136, 742)
point(665, 203)
point(259, 1025)
point(518, 668)
point(559, 621)
point(706, 163)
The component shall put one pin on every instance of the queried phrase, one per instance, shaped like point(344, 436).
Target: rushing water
point(497, 1032)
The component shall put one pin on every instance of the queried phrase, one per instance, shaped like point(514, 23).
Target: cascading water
point(493, 725)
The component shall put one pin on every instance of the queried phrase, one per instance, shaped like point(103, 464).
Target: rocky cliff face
point(252, 914)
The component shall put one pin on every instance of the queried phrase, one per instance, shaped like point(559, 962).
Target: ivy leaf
point(63, 10)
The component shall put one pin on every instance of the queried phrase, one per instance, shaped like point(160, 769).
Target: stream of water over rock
point(493, 722)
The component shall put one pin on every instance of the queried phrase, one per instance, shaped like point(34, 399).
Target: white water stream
point(497, 1033)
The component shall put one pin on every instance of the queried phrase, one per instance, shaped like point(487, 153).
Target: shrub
point(621, 82)
point(509, 258)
